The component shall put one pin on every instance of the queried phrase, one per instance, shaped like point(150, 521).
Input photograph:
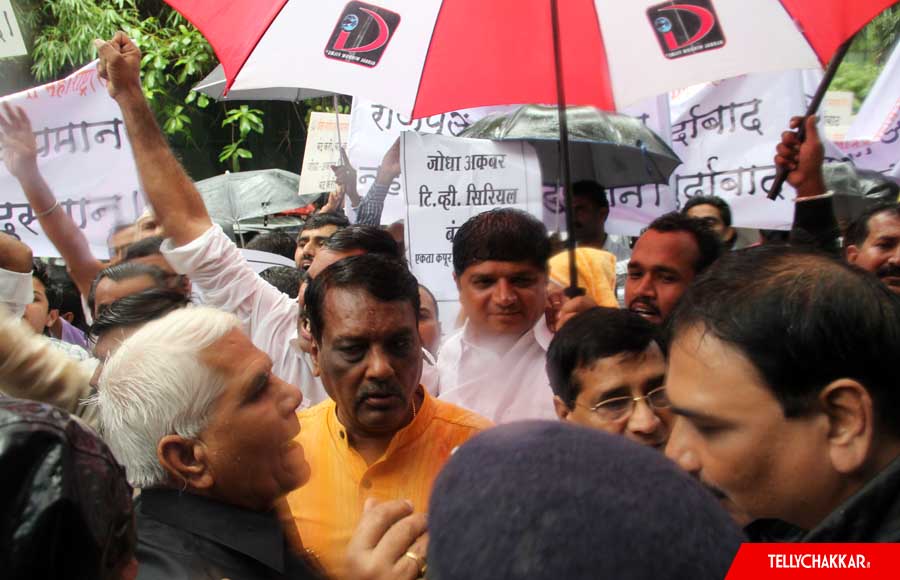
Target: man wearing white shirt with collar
point(494, 365)
point(200, 249)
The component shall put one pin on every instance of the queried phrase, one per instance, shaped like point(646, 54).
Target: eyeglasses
point(621, 408)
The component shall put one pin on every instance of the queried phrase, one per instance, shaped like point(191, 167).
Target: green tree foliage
point(175, 53)
point(870, 50)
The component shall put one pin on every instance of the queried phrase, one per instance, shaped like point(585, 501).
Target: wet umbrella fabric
point(424, 57)
point(213, 86)
point(233, 197)
point(66, 507)
point(613, 150)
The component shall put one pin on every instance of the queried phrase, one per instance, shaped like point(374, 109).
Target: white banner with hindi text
point(323, 140)
point(448, 180)
point(85, 156)
point(373, 130)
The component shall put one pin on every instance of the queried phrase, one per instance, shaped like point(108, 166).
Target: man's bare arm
point(176, 202)
point(14, 255)
point(20, 157)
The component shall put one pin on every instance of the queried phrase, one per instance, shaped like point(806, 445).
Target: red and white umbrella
point(431, 56)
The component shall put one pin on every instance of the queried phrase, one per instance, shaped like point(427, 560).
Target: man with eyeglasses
point(607, 369)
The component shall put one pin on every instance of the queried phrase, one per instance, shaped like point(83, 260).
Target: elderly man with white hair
point(192, 410)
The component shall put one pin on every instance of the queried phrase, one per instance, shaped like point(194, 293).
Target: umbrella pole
point(814, 104)
point(337, 121)
point(573, 290)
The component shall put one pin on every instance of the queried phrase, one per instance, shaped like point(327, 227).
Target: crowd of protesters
point(208, 421)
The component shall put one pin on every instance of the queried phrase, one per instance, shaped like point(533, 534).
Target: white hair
point(155, 385)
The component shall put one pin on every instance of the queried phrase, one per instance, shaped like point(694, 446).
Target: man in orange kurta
point(381, 435)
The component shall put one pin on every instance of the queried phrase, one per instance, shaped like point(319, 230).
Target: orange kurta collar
point(406, 436)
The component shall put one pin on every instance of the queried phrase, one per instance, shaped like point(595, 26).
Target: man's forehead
point(677, 250)
point(233, 348)
point(648, 364)
point(354, 310)
point(886, 223)
point(326, 257)
point(502, 268)
point(709, 376)
point(323, 232)
point(705, 210)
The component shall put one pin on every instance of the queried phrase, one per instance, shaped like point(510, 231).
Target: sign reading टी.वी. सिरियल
point(448, 180)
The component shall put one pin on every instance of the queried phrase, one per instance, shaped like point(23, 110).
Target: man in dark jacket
point(871, 239)
point(782, 376)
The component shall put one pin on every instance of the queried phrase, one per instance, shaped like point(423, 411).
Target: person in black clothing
point(190, 437)
point(66, 510)
point(783, 380)
point(871, 238)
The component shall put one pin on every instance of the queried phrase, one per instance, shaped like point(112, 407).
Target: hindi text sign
point(85, 156)
point(322, 151)
point(373, 130)
point(449, 180)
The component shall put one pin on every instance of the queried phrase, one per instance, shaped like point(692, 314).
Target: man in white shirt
point(494, 365)
point(200, 249)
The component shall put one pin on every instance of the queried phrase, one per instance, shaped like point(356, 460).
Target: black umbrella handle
point(573, 290)
point(782, 173)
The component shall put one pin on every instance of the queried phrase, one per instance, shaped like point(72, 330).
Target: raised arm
point(176, 202)
point(814, 224)
point(20, 157)
point(369, 210)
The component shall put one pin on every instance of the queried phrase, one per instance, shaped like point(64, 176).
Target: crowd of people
point(317, 421)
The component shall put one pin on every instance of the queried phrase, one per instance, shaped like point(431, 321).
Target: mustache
point(646, 302)
point(888, 271)
point(373, 389)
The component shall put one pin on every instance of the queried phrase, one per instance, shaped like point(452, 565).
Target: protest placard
point(322, 151)
point(725, 133)
point(837, 113)
point(448, 180)
point(85, 156)
point(11, 43)
point(373, 130)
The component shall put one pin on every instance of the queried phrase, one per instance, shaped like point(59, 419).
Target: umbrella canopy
point(233, 197)
point(613, 150)
point(855, 190)
point(432, 56)
point(214, 87)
